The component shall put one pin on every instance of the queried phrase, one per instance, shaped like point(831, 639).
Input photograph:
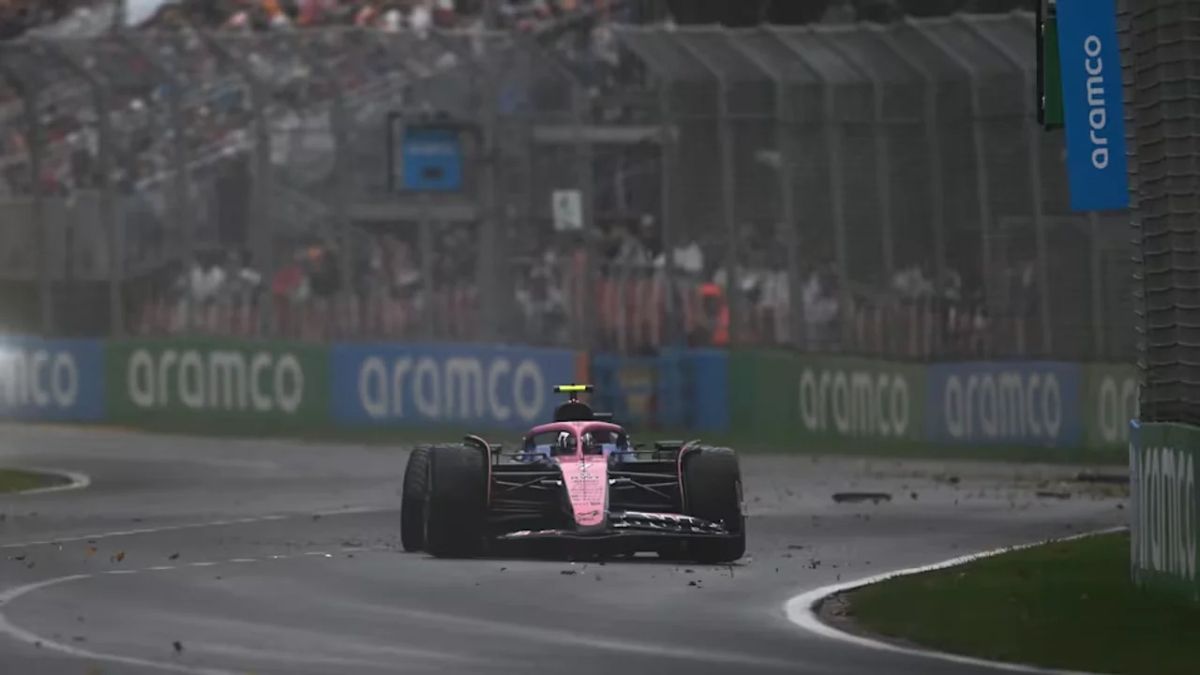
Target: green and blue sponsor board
point(51, 380)
point(446, 385)
point(1017, 403)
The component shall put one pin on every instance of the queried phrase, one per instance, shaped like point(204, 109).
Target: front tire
point(712, 483)
point(412, 502)
point(456, 504)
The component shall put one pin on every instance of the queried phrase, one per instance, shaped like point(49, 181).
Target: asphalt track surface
point(215, 556)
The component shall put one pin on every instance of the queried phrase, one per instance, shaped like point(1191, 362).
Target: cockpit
point(566, 442)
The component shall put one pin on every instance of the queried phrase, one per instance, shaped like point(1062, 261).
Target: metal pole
point(675, 332)
point(340, 129)
point(982, 190)
point(833, 151)
point(490, 249)
point(113, 224)
point(425, 244)
point(262, 231)
point(933, 144)
point(882, 154)
point(725, 142)
point(786, 173)
point(1033, 137)
point(180, 194)
point(1098, 326)
point(33, 123)
point(585, 170)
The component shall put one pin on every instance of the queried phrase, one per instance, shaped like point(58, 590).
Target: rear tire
point(712, 483)
point(456, 504)
point(412, 502)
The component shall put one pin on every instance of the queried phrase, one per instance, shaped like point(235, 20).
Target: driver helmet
point(590, 446)
point(564, 446)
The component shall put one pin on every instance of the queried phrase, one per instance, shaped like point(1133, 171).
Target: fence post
point(339, 128)
point(937, 196)
point(36, 148)
point(676, 334)
point(1098, 329)
point(113, 224)
point(262, 234)
point(982, 191)
point(883, 167)
point(491, 247)
point(180, 194)
point(585, 171)
point(1033, 141)
point(725, 142)
point(786, 174)
point(833, 151)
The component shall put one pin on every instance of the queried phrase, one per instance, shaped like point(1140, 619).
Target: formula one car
point(578, 484)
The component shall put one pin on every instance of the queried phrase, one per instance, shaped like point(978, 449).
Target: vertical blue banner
point(1092, 103)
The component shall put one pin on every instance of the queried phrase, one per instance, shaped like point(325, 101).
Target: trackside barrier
point(1022, 403)
point(220, 381)
point(781, 397)
point(1163, 461)
point(766, 397)
point(478, 386)
point(51, 380)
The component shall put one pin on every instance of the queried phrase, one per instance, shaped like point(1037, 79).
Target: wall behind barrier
point(447, 385)
point(53, 380)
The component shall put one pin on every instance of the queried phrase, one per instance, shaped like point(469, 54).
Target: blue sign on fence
point(433, 159)
point(59, 380)
point(1021, 403)
point(433, 385)
point(1092, 101)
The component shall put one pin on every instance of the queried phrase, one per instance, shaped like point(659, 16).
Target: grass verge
point(900, 449)
point(16, 480)
point(1063, 605)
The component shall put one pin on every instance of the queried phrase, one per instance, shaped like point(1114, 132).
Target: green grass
point(15, 480)
point(896, 449)
point(1064, 605)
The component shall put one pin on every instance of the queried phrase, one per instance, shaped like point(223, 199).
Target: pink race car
point(579, 484)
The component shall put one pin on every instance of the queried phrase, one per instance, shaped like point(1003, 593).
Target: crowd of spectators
point(19, 16)
point(631, 294)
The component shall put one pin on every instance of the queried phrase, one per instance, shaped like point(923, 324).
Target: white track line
point(78, 481)
point(7, 628)
point(802, 610)
point(22, 635)
point(188, 526)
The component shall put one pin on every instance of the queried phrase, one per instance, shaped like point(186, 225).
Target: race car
point(577, 483)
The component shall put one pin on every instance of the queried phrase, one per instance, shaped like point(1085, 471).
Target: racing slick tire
point(456, 501)
point(412, 501)
point(712, 483)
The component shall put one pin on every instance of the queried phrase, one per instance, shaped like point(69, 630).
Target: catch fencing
point(865, 190)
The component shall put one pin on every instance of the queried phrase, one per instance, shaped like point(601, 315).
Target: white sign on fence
point(568, 210)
